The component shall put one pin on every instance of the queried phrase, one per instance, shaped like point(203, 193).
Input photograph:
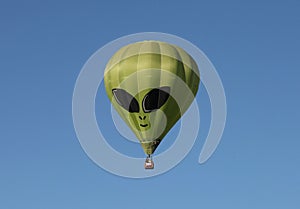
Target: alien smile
point(144, 125)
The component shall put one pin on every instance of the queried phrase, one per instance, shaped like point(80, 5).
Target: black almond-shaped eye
point(156, 98)
point(126, 100)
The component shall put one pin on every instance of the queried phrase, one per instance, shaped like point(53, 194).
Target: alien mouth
point(144, 125)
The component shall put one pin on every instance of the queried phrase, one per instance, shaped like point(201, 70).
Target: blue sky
point(254, 46)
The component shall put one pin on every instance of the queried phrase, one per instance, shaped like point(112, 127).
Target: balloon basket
point(149, 164)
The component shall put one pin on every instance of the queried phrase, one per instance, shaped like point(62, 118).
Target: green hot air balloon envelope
point(151, 84)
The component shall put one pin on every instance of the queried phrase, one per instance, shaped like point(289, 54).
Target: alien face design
point(150, 102)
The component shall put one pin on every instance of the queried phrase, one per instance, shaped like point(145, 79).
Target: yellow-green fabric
point(140, 67)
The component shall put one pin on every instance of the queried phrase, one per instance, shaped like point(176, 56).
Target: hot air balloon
point(151, 84)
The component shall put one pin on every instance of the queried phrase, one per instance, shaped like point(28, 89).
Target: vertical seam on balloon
point(119, 65)
point(156, 118)
point(188, 76)
point(176, 74)
point(137, 77)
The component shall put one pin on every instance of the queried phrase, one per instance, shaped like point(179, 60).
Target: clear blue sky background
point(254, 45)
